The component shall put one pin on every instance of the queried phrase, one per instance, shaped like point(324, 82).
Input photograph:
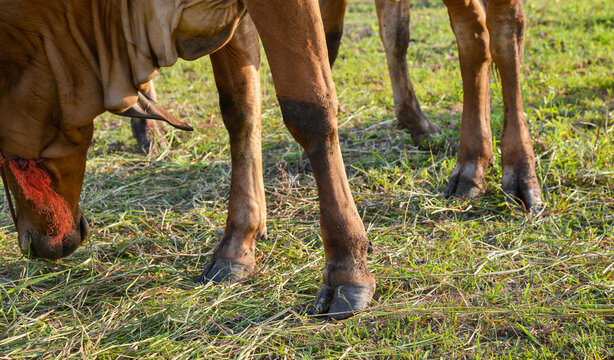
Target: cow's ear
point(146, 108)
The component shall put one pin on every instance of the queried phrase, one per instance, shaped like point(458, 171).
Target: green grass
point(456, 278)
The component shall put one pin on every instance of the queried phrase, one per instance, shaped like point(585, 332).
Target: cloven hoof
point(342, 302)
point(524, 191)
point(420, 129)
point(462, 187)
point(221, 270)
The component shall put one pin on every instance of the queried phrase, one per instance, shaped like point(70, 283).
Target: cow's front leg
point(475, 153)
point(506, 21)
point(236, 69)
point(147, 131)
point(348, 284)
point(393, 17)
point(293, 38)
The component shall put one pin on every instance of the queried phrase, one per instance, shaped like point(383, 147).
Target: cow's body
point(64, 62)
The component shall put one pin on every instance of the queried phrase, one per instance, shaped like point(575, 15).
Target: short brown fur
point(68, 61)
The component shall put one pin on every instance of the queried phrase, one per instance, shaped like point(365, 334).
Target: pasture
point(456, 278)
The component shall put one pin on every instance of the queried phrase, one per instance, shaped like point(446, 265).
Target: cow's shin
point(236, 68)
point(506, 22)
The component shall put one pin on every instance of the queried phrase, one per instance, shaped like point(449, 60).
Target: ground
point(456, 278)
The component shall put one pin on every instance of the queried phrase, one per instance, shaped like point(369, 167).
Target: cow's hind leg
point(393, 17)
point(505, 21)
point(306, 93)
point(475, 152)
point(236, 69)
point(147, 131)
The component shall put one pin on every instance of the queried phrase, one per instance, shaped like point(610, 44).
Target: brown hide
point(68, 61)
point(64, 62)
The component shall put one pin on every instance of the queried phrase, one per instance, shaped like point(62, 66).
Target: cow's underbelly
point(206, 27)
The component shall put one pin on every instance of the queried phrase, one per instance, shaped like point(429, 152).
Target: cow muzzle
point(35, 244)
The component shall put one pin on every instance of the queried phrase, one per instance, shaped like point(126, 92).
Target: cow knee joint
point(310, 123)
point(237, 113)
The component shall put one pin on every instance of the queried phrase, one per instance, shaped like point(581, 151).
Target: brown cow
point(473, 29)
point(64, 62)
point(497, 33)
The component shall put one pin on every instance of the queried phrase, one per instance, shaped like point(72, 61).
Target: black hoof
point(419, 127)
point(343, 302)
point(422, 136)
point(530, 199)
point(218, 271)
point(523, 188)
point(462, 188)
point(145, 132)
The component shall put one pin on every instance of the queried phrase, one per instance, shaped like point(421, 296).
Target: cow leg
point(236, 68)
point(333, 14)
point(475, 152)
point(146, 131)
point(293, 38)
point(393, 17)
point(506, 21)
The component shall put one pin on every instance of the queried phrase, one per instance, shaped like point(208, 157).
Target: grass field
point(456, 278)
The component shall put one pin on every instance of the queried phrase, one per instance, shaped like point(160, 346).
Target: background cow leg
point(146, 131)
point(475, 153)
point(293, 38)
point(333, 13)
point(236, 68)
point(393, 17)
point(506, 21)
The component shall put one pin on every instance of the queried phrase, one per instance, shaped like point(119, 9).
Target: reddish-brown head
point(46, 194)
point(35, 185)
point(46, 191)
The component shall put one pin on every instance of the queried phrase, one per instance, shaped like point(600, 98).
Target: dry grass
point(456, 278)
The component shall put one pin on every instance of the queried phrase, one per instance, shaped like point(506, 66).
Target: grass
point(456, 278)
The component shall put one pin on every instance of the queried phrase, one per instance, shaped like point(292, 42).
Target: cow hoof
point(218, 271)
point(525, 191)
point(343, 302)
point(421, 129)
point(145, 144)
point(462, 185)
point(145, 132)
